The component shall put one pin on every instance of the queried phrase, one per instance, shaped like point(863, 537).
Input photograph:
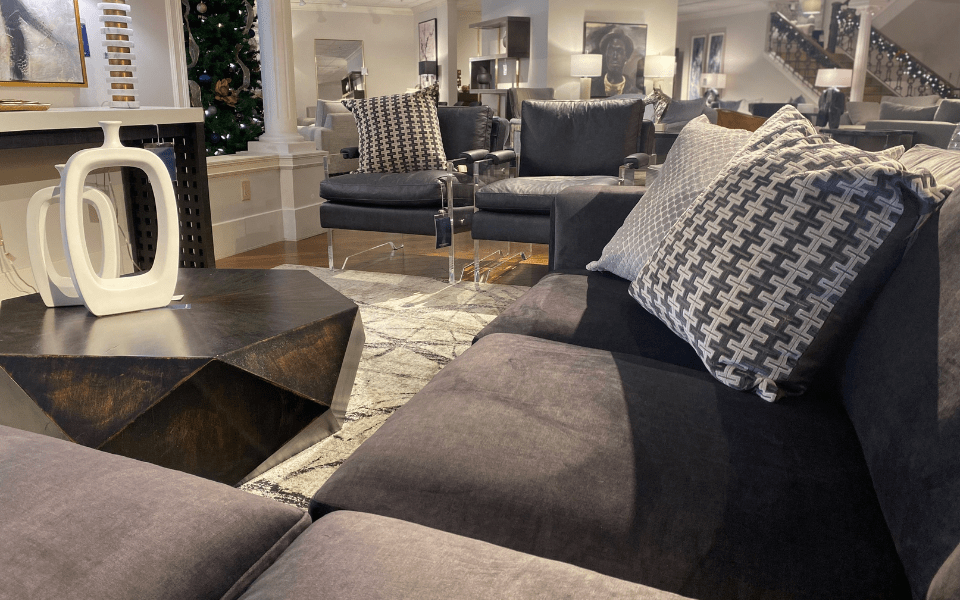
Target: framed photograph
point(623, 47)
point(427, 49)
point(697, 54)
point(42, 45)
point(715, 54)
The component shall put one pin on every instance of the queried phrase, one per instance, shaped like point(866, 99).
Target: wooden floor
point(418, 256)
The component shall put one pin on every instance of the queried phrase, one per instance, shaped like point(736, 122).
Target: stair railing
point(798, 51)
point(889, 62)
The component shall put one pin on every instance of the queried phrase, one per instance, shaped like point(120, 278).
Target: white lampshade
point(716, 81)
point(838, 78)
point(810, 7)
point(659, 66)
point(586, 65)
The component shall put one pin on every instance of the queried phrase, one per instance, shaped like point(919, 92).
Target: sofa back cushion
point(325, 108)
point(903, 112)
point(861, 112)
point(582, 137)
point(949, 111)
point(928, 100)
point(464, 128)
point(681, 111)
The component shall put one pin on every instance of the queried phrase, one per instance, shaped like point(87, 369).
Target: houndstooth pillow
point(400, 133)
point(699, 153)
point(771, 264)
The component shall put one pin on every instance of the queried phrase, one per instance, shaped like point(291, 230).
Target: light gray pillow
point(930, 100)
point(861, 112)
point(700, 152)
point(949, 111)
point(681, 111)
point(326, 108)
point(943, 164)
point(904, 112)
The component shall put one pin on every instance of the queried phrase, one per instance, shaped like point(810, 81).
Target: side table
point(872, 139)
point(247, 369)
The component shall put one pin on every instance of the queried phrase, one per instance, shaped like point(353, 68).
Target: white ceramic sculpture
point(151, 289)
point(55, 288)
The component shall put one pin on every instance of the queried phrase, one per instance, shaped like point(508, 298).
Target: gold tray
point(12, 105)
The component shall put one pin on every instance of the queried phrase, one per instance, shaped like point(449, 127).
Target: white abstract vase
point(152, 289)
point(57, 289)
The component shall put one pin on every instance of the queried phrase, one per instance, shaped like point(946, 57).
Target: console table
point(872, 139)
point(247, 369)
point(182, 126)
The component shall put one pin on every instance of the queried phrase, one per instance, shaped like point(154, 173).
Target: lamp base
point(585, 83)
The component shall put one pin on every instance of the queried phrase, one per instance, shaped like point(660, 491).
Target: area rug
point(414, 326)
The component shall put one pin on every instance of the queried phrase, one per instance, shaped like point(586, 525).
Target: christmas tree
point(224, 71)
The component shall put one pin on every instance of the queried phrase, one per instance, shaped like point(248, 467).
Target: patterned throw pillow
point(399, 134)
point(772, 263)
point(699, 153)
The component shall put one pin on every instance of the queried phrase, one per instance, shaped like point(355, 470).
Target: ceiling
point(462, 5)
point(686, 8)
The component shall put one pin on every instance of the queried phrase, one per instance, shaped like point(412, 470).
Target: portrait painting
point(42, 43)
point(715, 54)
point(697, 55)
point(427, 51)
point(623, 47)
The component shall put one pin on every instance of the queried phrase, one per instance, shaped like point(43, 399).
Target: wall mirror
point(340, 69)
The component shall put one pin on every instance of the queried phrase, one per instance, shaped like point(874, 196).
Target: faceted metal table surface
point(247, 369)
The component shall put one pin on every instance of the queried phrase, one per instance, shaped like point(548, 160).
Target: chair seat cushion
point(357, 556)
point(80, 523)
point(419, 188)
point(632, 468)
point(595, 311)
point(532, 195)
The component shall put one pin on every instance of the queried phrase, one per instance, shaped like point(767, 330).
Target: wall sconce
point(586, 66)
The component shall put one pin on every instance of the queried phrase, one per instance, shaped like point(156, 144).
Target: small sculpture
point(483, 78)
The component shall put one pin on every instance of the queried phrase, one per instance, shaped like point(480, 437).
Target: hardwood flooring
point(418, 256)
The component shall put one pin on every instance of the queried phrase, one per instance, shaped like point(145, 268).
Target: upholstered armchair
point(565, 143)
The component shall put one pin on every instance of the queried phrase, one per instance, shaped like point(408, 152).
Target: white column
point(867, 9)
point(277, 78)
point(447, 25)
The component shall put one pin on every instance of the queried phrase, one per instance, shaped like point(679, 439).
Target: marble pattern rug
point(414, 326)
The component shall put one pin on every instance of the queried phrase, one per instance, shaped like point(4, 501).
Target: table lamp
point(586, 66)
point(658, 68)
point(714, 82)
point(832, 102)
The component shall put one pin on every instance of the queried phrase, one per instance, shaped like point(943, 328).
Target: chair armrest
point(351, 152)
point(637, 160)
point(471, 156)
point(583, 220)
point(502, 156)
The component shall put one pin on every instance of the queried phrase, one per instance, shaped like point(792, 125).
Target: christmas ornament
point(201, 8)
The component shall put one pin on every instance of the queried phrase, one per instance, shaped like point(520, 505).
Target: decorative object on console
point(714, 82)
point(764, 298)
point(955, 140)
point(622, 47)
point(122, 73)
point(56, 289)
point(585, 66)
point(18, 105)
point(152, 289)
point(658, 69)
point(832, 102)
point(45, 45)
point(685, 173)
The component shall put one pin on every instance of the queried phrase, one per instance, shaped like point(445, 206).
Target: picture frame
point(43, 45)
point(623, 47)
point(698, 45)
point(427, 48)
point(714, 59)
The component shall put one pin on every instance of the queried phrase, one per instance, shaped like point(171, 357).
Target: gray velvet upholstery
point(357, 556)
point(594, 311)
point(584, 219)
point(631, 468)
point(80, 523)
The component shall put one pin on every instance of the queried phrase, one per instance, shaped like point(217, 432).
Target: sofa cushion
point(681, 111)
point(594, 311)
point(771, 265)
point(933, 133)
point(928, 100)
point(948, 110)
point(697, 156)
point(464, 128)
point(419, 188)
point(532, 195)
point(901, 388)
point(631, 468)
point(582, 137)
point(943, 164)
point(904, 112)
point(80, 523)
point(358, 556)
point(399, 133)
point(325, 108)
point(861, 112)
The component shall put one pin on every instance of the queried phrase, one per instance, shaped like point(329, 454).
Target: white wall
point(466, 42)
point(389, 47)
point(750, 75)
point(928, 29)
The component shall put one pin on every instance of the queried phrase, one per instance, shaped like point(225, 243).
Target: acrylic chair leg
point(476, 261)
point(330, 249)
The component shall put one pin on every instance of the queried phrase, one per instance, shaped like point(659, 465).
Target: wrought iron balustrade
point(798, 51)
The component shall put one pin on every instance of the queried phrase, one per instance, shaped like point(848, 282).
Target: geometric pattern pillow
point(770, 267)
point(399, 133)
point(695, 158)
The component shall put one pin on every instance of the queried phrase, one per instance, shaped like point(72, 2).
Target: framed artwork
point(427, 49)
point(697, 52)
point(41, 44)
point(715, 54)
point(623, 47)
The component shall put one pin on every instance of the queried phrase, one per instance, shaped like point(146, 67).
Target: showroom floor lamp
point(658, 69)
point(713, 82)
point(586, 66)
point(832, 102)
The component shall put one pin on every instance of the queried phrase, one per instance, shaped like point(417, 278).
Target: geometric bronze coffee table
point(247, 369)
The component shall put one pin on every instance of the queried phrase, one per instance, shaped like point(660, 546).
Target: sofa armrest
point(583, 220)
